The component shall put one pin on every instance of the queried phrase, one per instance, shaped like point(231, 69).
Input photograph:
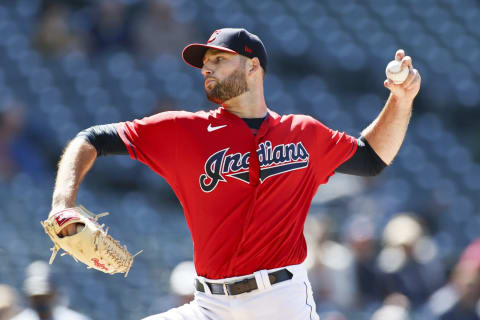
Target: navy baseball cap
point(233, 40)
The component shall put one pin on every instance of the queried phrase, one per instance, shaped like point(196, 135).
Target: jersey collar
point(272, 118)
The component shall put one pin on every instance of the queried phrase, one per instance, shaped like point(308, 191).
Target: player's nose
point(206, 70)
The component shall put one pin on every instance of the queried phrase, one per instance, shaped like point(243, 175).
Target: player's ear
point(253, 65)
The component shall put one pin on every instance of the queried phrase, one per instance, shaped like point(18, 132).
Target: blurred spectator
point(54, 34)
point(41, 292)
point(156, 32)
point(182, 289)
point(459, 299)
point(16, 150)
point(181, 282)
point(110, 29)
point(330, 266)
point(362, 242)
point(408, 261)
point(8, 302)
point(395, 307)
point(333, 315)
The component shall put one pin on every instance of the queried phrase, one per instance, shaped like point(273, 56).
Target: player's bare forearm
point(75, 162)
point(387, 132)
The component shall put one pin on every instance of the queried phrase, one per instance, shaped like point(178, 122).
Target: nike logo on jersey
point(211, 129)
point(274, 160)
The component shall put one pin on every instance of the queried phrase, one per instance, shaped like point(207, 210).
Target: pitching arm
point(386, 133)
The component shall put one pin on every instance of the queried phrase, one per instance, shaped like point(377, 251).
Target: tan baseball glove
point(91, 244)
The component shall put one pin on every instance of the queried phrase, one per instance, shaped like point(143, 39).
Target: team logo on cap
point(213, 36)
point(274, 160)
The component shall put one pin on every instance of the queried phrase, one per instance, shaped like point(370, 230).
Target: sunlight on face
point(225, 76)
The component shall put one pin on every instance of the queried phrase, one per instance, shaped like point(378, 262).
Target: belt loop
point(225, 289)
point(266, 280)
point(259, 280)
point(206, 287)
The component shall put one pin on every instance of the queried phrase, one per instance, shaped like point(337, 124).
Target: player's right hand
point(410, 87)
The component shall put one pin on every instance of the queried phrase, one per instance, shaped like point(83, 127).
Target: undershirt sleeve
point(105, 139)
point(364, 162)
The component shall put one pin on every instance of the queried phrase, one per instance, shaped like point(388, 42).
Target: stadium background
point(67, 65)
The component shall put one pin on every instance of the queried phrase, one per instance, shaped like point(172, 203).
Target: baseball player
point(245, 177)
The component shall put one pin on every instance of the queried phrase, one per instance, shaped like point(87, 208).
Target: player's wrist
point(401, 100)
point(60, 204)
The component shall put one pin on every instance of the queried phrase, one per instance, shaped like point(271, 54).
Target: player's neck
point(250, 104)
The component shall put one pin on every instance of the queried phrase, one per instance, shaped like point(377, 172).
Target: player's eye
point(218, 59)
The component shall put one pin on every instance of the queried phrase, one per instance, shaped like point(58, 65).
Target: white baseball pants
point(287, 300)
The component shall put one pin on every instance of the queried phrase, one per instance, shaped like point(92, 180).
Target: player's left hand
point(90, 244)
point(408, 89)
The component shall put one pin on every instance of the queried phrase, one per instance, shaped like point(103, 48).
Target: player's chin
point(214, 98)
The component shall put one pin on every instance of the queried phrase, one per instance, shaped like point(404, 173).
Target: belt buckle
point(225, 289)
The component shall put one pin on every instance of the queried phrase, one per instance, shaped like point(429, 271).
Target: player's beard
point(231, 87)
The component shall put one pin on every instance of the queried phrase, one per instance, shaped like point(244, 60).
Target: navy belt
point(243, 286)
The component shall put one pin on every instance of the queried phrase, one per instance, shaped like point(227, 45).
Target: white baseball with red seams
point(396, 72)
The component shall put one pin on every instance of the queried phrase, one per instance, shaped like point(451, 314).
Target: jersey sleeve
point(332, 149)
point(151, 140)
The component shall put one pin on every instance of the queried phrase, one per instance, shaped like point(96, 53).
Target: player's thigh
point(189, 311)
point(292, 301)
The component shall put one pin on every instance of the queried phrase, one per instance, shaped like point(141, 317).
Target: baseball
point(396, 72)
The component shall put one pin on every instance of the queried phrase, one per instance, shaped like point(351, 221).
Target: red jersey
point(245, 213)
